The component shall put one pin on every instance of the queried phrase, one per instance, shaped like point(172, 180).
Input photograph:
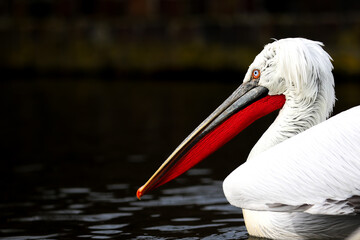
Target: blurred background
point(114, 38)
point(95, 92)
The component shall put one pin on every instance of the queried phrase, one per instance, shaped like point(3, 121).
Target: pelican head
point(292, 74)
point(298, 68)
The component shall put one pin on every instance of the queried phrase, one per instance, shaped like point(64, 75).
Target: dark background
point(118, 38)
point(87, 85)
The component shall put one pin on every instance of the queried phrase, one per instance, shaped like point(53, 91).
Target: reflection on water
point(75, 152)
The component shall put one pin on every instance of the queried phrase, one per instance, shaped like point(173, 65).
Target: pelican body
point(302, 178)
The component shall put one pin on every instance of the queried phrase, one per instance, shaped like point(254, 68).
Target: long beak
point(246, 104)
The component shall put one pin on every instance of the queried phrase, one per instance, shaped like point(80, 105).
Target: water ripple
point(130, 209)
point(107, 232)
point(49, 236)
point(189, 219)
point(74, 190)
point(83, 218)
point(199, 172)
point(239, 220)
point(108, 226)
point(170, 228)
point(178, 200)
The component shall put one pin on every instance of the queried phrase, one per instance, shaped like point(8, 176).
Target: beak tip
point(140, 192)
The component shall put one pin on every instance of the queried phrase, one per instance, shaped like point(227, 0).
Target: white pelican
point(300, 181)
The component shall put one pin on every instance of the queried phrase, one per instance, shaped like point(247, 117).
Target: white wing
point(317, 171)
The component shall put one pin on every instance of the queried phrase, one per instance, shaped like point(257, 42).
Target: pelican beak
point(246, 104)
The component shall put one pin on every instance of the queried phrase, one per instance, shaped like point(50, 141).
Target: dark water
point(75, 152)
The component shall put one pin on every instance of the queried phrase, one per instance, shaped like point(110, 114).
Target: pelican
point(302, 178)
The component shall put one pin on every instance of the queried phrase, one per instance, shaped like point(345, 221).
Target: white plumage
point(300, 183)
point(316, 171)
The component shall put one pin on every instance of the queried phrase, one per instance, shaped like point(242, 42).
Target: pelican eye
point(255, 74)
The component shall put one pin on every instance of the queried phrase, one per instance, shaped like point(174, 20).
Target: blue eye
point(256, 73)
